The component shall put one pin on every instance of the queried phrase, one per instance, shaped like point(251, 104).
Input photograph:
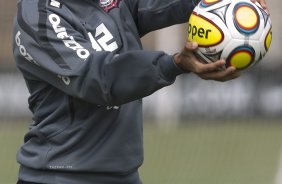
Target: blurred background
point(195, 131)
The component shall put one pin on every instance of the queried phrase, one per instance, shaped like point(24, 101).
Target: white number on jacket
point(103, 42)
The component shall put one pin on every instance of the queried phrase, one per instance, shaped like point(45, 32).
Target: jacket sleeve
point(54, 51)
point(151, 15)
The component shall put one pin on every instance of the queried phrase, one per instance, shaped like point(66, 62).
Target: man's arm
point(151, 15)
point(58, 52)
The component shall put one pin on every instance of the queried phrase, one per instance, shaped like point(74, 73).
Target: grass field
point(195, 152)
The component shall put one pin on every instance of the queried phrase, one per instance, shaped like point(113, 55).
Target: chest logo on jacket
point(107, 5)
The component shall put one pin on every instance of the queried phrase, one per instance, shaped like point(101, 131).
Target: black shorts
point(25, 182)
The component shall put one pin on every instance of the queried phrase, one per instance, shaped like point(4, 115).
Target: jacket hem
point(71, 177)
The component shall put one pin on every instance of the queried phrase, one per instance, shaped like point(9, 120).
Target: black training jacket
point(86, 72)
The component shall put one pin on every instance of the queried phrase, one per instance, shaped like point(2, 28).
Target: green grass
point(11, 137)
point(213, 153)
point(239, 152)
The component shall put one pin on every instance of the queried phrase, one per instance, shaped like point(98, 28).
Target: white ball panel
point(230, 21)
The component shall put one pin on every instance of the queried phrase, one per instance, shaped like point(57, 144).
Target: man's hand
point(187, 61)
point(263, 4)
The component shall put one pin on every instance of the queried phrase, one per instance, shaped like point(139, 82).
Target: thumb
point(191, 46)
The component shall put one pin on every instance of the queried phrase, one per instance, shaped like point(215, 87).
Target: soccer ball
point(238, 31)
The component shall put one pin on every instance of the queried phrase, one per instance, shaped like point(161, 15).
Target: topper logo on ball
point(203, 31)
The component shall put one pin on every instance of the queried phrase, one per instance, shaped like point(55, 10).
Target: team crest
point(107, 5)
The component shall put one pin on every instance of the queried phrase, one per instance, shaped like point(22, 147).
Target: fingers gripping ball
point(238, 31)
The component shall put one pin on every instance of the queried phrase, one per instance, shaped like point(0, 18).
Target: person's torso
point(72, 135)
